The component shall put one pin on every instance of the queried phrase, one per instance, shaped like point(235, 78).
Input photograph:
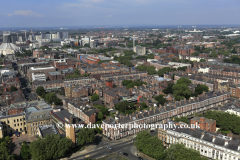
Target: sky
point(57, 13)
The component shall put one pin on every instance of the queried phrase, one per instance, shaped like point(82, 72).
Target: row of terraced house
point(162, 114)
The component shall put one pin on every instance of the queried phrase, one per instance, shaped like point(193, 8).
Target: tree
point(201, 88)
point(169, 89)
point(50, 147)
point(164, 70)
point(174, 60)
point(151, 146)
point(52, 98)
point(4, 152)
point(180, 152)
point(25, 151)
point(181, 91)
point(40, 91)
point(122, 106)
point(13, 88)
point(151, 70)
point(76, 71)
point(85, 135)
point(141, 68)
point(95, 97)
point(184, 80)
point(100, 116)
point(202, 60)
point(143, 105)
point(161, 100)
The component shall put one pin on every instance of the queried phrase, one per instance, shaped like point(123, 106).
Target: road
point(119, 147)
point(103, 151)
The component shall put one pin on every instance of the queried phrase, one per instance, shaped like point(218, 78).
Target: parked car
point(125, 154)
point(140, 158)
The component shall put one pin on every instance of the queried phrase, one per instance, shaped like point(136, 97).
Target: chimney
point(213, 140)
point(175, 105)
point(164, 108)
point(238, 147)
point(160, 106)
point(130, 116)
point(214, 94)
point(226, 143)
point(202, 135)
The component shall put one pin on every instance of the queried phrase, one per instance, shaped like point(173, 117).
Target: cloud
point(109, 16)
point(26, 13)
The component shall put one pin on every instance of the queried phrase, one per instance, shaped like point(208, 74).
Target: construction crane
point(102, 31)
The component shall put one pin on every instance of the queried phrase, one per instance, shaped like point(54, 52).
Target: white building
point(203, 70)
point(38, 77)
point(210, 145)
point(177, 65)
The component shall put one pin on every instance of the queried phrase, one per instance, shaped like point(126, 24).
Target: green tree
point(95, 97)
point(122, 106)
point(141, 68)
point(181, 91)
point(50, 147)
point(180, 152)
point(201, 88)
point(100, 116)
point(40, 91)
point(25, 151)
point(169, 88)
point(85, 135)
point(151, 70)
point(202, 60)
point(151, 146)
point(184, 80)
point(164, 70)
point(13, 88)
point(52, 98)
point(161, 100)
point(174, 60)
point(77, 72)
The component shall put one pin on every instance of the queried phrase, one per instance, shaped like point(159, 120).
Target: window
point(21, 124)
point(18, 124)
point(17, 120)
point(14, 120)
point(14, 125)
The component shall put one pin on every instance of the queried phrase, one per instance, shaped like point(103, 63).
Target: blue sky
point(54, 13)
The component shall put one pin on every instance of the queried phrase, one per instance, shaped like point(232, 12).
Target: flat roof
point(54, 73)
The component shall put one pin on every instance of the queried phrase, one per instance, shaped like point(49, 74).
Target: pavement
point(15, 147)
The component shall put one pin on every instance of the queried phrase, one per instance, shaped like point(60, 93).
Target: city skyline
point(119, 12)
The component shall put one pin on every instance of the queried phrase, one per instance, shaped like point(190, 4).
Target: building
point(139, 50)
point(54, 76)
point(7, 47)
point(54, 84)
point(205, 123)
point(161, 114)
point(61, 117)
point(37, 118)
point(44, 70)
point(48, 129)
point(38, 76)
point(13, 124)
point(210, 145)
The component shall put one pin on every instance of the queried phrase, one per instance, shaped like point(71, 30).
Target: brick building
point(205, 123)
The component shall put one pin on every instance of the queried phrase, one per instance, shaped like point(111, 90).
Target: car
point(140, 158)
point(152, 131)
point(109, 147)
point(125, 154)
point(19, 144)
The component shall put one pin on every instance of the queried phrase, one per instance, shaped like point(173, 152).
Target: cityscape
point(120, 80)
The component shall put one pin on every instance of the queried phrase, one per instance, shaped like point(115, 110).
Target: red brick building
point(205, 123)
